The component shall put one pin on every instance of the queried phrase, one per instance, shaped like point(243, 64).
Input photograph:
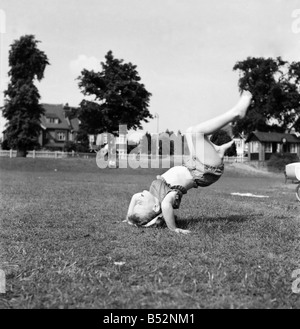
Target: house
point(239, 139)
point(263, 144)
point(116, 143)
point(241, 146)
point(58, 126)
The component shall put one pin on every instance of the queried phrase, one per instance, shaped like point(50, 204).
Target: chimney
point(67, 110)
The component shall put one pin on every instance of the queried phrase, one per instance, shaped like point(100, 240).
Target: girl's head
point(146, 207)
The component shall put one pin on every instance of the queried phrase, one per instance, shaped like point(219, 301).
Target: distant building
point(58, 126)
point(263, 144)
point(116, 143)
point(239, 139)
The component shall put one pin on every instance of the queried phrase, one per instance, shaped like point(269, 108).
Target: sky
point(184, 50)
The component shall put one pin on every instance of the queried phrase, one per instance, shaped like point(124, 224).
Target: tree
point(221, 137)
point(81, 143)
point(120, 97)
point(22, 109)
point(274, 84)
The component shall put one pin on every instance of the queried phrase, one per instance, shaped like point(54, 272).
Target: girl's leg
point(198, 141)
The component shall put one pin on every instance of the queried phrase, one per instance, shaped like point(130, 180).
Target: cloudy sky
point(184, 49)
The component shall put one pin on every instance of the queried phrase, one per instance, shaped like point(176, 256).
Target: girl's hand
point(181, 231)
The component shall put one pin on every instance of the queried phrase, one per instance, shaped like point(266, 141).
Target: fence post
point(33, 154)
point(10, 153)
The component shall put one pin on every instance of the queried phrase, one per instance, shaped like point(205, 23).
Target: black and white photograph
point(149, 157)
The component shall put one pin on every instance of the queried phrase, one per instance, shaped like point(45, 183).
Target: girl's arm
point(168, 213)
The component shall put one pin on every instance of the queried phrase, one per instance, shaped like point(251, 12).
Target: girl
point(204, 167)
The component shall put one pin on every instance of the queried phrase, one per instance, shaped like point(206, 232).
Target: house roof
point(272, 137)
point(58, 111)
point(75, 124)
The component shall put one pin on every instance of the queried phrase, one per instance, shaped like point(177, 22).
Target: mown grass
point(64, 245)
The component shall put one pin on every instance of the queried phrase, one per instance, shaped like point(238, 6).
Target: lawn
point(63, 244)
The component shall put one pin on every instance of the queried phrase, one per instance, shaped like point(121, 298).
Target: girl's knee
point(196, 133)
point(190, 130)
point(198, 130)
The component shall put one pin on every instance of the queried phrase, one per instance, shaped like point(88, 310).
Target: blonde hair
point(142, 220)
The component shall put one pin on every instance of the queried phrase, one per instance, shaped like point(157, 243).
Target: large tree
point(22, 109)
point(274, 84)
point(119, 97)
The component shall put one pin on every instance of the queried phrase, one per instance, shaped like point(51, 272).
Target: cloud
point(84, 62)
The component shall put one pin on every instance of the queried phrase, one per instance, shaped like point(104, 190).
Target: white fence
point(235, 159)
point(60, 155)
point(10, 153)
point(47, 154)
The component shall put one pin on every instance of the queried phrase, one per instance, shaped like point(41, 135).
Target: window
point(268, 147)
point(52, 120)
point(293, 148)
point(61, 136)
point(254, 147)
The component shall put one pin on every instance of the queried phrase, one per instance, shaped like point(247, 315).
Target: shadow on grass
point(183, 223)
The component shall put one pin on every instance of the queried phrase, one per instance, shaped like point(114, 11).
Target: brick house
point(58, 126)
point(263, 144)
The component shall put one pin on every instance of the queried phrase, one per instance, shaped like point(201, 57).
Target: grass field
point(63, 244)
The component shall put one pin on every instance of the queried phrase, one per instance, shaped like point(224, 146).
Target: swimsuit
point(203, 175)
point(160, 188)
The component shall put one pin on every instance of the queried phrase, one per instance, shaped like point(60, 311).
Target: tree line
point(119, 97)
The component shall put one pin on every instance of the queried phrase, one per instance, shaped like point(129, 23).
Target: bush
point(70, 146)
point(82, 148)
point(278, 161)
